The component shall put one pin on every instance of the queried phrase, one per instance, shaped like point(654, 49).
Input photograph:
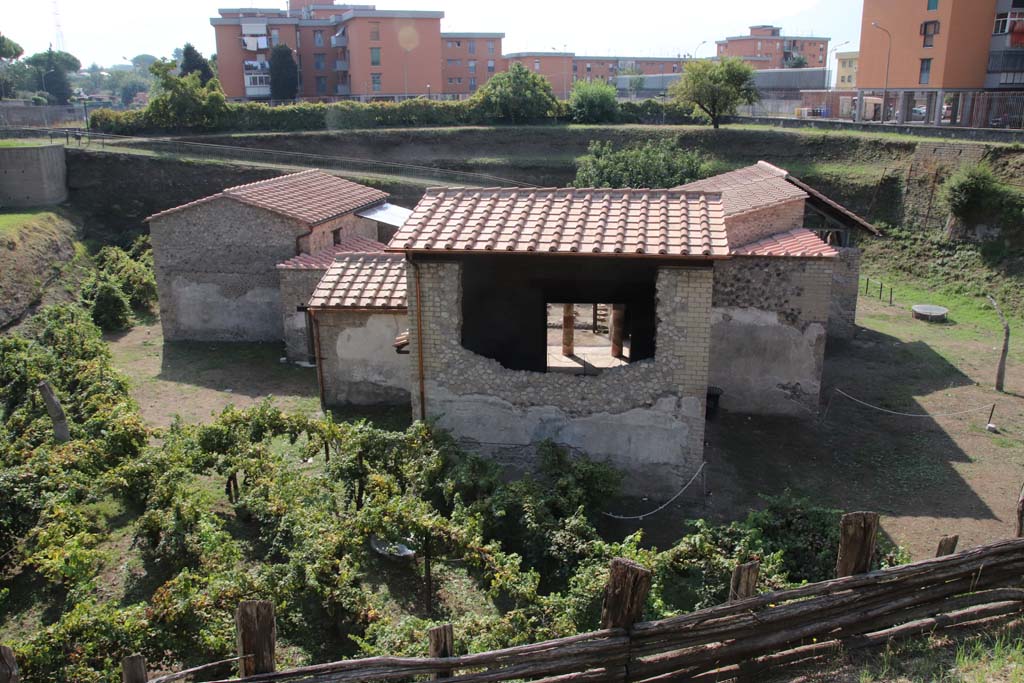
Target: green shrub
point(593, 102)
point(654, 164)
point(110, 308)
point(974, 195)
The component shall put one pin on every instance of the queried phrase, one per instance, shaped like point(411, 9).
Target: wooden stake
point(55, 411)
point(568, 329)
point(857, 532)
point(133, 669)
point(1020, 514)
point(625, 593)
point(256, 632)
point(1001, 368)
point(616, 329)
point(8, 667)
point(744, 581)
point(442, 644)
point(947, 545)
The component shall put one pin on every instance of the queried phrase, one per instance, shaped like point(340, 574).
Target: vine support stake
point(8, 667)
point(1020, 514)
point(133, 669)
point(441, 644)
point(947, 545)
point(1001, 368)
point(256, 632)
point(56, 412)
point(625, 593)
point(743, 583)
point(857, 532)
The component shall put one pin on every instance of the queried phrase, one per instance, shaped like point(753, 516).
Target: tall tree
point(284, 74)
point(65, 60)
point(715, 89)
point(53, 77)
point(517, 95)
point(194, 62)
point(143, 62)
point(9, 49)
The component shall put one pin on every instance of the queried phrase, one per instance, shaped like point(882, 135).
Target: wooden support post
point(442, 644)
point(744, 581)
point(947, 545)
point(593, 324)
point(1001, 368)
point(625, 593)
point(1020, 514)
point(256, 633)
point(616, 328)
point(8, 667)
point(866, 281)
point(568, 329)
point(56, 412)
point(857, 532)
point(880, 288)
point(133, 669)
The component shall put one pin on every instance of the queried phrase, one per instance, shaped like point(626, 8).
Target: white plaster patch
point(366, 353)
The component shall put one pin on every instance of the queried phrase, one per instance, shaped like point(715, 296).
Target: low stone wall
point(359, 364)
point(646, 418)
point(32, 176)
point(769, 322)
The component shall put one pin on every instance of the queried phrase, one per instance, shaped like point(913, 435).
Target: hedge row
point(251, 116)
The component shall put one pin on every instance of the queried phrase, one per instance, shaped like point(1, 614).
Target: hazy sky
point(108, 31)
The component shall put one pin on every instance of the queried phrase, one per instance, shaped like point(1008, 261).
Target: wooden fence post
point(1020, 514)
point(133, 669)
point(857, 532)
point(616, 328)
point(568, 329)
point(947, 545)
point(744, 581)
point(625, 593)
point(8, 667)
point(442, 644)
point(56, 412)
point(256, 632)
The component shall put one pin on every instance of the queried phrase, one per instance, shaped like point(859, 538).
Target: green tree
point(194, 62)
point(636, 84)
point(654, 164)
point(715, 89)
point(517, 96)
point(66, 61)
point(51, 71)
point(9, 49)
point(183, 102)
point(284, 74)
point(796, 62)
point(143, 62)
point(593, 102)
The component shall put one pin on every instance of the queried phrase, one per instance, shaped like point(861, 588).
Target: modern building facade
point(767, 48)
point(469, 61)
point(846, 70)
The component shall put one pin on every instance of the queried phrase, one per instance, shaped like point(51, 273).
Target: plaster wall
point(769, 323)
point(646, 418)
point(842, 315)
point(297, 286)
point(215, 271)
point(358, 359)
point(32, 176)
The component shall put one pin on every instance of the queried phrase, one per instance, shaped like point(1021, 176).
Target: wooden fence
point(747, 634)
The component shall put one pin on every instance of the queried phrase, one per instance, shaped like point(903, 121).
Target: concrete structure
point(767, 48)
point(32, 176)
point(215, 259)
point(469, 61)
point(846, 70)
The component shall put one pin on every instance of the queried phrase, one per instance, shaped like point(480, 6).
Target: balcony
point(341, 65)
point(249, 67)
point(339, 41)
point(1005, 60)
point(342, 89)
point(257, 91)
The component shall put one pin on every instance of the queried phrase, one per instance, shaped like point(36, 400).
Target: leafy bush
point(593, 102)
point(974, 195)
point(516, 96)
point(654, 164)
point(110, 308)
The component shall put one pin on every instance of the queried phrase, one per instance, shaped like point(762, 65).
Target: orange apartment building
point(469, 61)
point(767, 48)
point(939, 60)
point(555, 66)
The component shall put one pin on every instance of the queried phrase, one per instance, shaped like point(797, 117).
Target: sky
point(111, 32)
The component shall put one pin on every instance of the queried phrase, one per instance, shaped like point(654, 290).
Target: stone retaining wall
point(32, 176)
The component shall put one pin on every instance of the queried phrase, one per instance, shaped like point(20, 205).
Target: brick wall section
point(842, 319)
point(947, 153)
point(297, 285)
point(215, 271)
point(646, 417)
point(751, 226)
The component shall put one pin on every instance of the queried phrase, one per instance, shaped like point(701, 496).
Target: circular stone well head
point(930, 312)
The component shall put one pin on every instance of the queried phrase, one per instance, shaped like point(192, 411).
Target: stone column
point(901, 105)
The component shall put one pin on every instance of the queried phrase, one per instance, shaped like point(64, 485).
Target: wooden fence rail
point(745, 635)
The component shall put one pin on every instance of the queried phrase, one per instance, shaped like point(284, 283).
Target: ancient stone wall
point(322, 235)
point(769, 323)
point(845, 290)
point(215, 271)
point(646, 418)
point(751, 226)
point(359, 363)
point(297, 285)
point(32, 176)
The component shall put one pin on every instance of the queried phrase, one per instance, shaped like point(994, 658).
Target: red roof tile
point(565, 221)
point(312, 196)
point(749, 189)
point(362, 281)
point(323, 259)
point(800, 242)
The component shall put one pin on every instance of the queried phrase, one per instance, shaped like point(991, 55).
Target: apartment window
point(933, 5)
point(454, 62)
point(318, 38)
point(374, 56)
point(926, 71)
point(490, 66)
point(374, 30)
point(588, 69)
point(375, 82)
point(318, 61)
point(536, 65)
point(759, 47)
point(471, 47)
point(472, 84)
point(490, 47)
point(275, 37)
point(929, 30)
point(321, 85)
point(472, 66)
point(453, 81)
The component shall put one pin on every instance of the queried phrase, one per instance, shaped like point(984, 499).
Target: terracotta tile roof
point(565, 221)
point(750, 188)
point(799, 242)
point(362, 281)
point(323, 259)
point(312, 196)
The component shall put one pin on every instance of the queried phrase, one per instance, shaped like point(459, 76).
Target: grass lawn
point(13, 221)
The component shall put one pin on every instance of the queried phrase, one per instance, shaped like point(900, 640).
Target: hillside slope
point(34, 247)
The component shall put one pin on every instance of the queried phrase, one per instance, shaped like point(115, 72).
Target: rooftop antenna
point(57, 28)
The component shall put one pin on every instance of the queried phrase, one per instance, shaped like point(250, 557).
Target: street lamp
point(43, 78)
point(702, 44)
point(428, 91)
point(888, 54)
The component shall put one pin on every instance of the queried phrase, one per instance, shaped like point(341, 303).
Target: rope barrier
point(894, 412)
point(663, 505)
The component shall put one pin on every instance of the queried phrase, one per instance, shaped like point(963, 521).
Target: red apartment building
point(470, 59)
point(767, 48)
